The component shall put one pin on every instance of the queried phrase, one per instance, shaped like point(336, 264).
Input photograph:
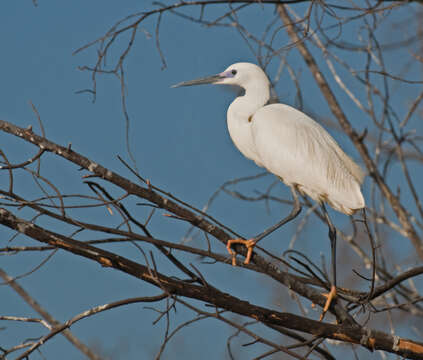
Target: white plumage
point(292, 146)
point(287, 142)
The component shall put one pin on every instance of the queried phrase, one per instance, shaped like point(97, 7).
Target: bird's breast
point(240, 131)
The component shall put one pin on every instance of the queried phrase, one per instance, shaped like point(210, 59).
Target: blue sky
point(180, 142)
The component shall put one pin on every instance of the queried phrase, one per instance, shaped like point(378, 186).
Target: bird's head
point(240, 74)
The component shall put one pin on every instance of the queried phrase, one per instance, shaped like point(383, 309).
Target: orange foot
point(329, 296)
point(249, 244)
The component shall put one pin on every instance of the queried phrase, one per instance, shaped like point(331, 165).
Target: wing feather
point(296, 148)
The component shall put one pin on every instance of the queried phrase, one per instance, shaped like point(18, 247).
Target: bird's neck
point(255, 97)
point(240, 119)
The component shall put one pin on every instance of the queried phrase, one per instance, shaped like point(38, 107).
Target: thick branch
point(371, 339)
point(263, 265)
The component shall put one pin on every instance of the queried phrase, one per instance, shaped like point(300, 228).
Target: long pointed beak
point(206, 80)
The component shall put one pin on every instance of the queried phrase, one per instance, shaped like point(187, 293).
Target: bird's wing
point(300, 151)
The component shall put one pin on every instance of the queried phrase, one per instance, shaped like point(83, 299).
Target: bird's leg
point(332, 237)
point(296, 209)
point(249, 244)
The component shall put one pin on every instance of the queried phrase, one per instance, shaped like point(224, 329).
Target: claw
point(329, 296)
point(249, 244)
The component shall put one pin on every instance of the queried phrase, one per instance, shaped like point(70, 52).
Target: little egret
point(292, 146)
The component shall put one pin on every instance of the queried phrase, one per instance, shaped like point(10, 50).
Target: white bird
point(291, 145)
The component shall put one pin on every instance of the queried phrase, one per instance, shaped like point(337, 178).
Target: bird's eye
point(233, 72)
